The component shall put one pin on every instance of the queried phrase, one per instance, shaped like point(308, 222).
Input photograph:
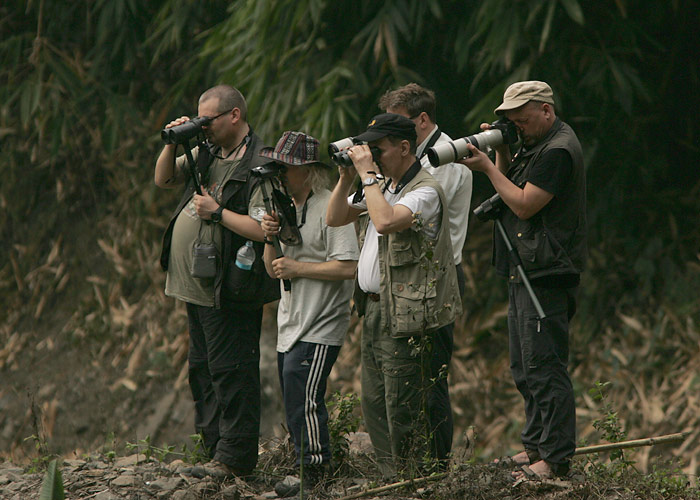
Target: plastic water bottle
point(245, 256)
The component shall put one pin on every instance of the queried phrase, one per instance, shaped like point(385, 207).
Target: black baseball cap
point(388, 124)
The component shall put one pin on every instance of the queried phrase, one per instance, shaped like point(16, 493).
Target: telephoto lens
point(501, 131)
point(180, 134)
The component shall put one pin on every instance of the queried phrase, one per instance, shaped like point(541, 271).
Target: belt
point(374, 297)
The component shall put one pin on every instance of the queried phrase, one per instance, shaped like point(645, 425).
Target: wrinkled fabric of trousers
point(539, 352)
point(393, 395)
point(224, 376)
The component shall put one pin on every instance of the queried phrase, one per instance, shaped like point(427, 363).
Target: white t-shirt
point(456, 181)
point(424, 200)
point(317, 311)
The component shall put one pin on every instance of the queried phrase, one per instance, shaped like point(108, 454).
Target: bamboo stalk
point(669, 438)
point(393, 486)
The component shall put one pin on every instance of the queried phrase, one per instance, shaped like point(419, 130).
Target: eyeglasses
point(212, 118)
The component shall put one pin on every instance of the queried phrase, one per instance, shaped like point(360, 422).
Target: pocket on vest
point(403, 249)
point(410, 303)
point(537, 249)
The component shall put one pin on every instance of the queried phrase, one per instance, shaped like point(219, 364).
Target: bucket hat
point(294, 148)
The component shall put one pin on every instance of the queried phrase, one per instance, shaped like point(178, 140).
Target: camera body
point(502, 131)
point(267, 170)
point(180, 134)
point(338, 151)
point(489, 209)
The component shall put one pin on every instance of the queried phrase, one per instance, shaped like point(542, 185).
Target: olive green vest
point(418, 281)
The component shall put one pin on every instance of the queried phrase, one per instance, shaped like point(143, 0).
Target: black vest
point(248, 289)
point(553, 241)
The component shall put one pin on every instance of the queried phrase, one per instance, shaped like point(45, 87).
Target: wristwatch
point(216, 216)
point(369, 181)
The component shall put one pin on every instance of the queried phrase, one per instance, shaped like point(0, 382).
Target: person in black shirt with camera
point(543, 188)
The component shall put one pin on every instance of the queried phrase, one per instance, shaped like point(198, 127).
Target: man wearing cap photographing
point(543, 187)
point(406, 285)
point(313, 316)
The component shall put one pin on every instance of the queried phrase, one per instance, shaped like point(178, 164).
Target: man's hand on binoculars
point(177, 121)
point(361, 157)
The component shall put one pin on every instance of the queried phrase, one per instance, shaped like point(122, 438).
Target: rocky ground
point(134, 478)
point(138, 477)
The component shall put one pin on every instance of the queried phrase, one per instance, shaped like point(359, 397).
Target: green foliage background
point(86, 86)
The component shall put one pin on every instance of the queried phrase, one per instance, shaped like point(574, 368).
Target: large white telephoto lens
point(457, 149)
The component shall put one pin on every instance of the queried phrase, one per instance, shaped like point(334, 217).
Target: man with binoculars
point(543, 189)
point(224, 301)
point(406, 284)
point(418, 105)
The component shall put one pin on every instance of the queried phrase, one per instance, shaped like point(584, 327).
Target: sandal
point(530, 475)
point(508, 461)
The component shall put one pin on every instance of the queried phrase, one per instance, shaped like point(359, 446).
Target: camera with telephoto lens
point(502, 131)
point(338, 151)
point(180, 134)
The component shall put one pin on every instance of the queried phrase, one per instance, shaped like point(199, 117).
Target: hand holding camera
point(476, 160)
point(499, 133)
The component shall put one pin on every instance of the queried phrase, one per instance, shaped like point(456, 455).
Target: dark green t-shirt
point(190, 230)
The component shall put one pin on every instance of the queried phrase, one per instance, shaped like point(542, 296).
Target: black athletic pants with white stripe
point(303, 372)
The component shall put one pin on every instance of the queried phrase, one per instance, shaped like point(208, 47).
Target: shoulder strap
point(431, 142)
point(204, 160)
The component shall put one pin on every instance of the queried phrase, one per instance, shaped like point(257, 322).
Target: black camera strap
point(194, 172)
point(431, 142)
point(304, 209)
point(407, 177)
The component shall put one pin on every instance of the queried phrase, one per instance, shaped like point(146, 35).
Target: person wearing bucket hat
point(314, 315)
point(224, 303)
point(543, 189)
point(418, 104)
point(402, 298)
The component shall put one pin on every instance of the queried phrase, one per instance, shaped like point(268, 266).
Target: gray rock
point(166, 483)
point(126, 480)
point(130, 460)
point(107, 495)
point(185, 495)
point(360, 443)
point(230, 493)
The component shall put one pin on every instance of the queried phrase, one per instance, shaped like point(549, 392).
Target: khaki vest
point(418, 281)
